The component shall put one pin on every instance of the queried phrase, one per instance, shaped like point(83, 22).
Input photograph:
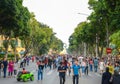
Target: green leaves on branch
point(115, 39)
point(101, 29)
point(41, 37)
point(56, 44)
point(17, 22)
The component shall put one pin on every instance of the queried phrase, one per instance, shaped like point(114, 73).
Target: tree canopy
point(101, 30)
point(17, 22)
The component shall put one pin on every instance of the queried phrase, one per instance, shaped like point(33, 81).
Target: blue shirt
point(117, 68)
point(76, 69)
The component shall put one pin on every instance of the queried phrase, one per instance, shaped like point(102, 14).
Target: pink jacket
point(11, 67)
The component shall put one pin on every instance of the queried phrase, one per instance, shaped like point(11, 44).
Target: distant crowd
point(108, 67)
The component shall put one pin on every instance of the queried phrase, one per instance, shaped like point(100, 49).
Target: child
point(24, 71)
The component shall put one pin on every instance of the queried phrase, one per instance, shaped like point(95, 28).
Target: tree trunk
point(101, 53)
point(15, 49)
point(107, 36)
point(6, 46)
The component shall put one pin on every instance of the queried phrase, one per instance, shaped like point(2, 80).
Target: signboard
point(108, 50)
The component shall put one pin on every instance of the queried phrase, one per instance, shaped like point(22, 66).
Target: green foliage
point(56, 44)
point(39, 39)
point(115, 39)
point(9, 11)
point(17, 22)
point(10, 56)
point(6, 44)
point(108, 11)
point(13, 43)
point(103, 24)
point(14, 20)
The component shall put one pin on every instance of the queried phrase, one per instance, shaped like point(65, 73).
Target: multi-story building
point(1, 41)
point(19, 46)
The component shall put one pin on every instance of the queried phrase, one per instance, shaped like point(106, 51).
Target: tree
point(115, 39)
point(8, 14)
point(103, 22)
point(108, 13)
point(13, 43)
point(14, 18)
point(6, 45)
point(17, 22)
point(56, 44)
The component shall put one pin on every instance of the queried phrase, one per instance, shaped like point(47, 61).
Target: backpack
point(95, 62)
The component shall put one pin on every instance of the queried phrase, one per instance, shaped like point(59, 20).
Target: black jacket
point(116, 79)
point(61, 68)
point(106, 78)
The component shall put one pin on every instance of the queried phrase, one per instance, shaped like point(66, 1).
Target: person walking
point(21, 62)
point(16, 68)
point(50, 63)
point(116, 78)
point(46, 62)
point(40, 70)
point(10, 68)
point(24, 62)
point(62, 72)
point(117, 67)
point(111, 68)
point(33, 58)
point(0, 68)
point(76, 71)
point(28, 60)
point(86, 68)
point(106, 77)
point(83, 65)
point(69, 68)
point(91, 65)
point(5, 64)
point(65, 61)
point(101, 66)
point(96, 64)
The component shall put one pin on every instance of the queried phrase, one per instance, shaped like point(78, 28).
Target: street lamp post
point(85, 43)
point(83, 14)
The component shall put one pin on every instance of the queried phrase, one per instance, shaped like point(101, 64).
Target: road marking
point(49, 73)
point(95, 74)
point(33, 71)
point(98, 75)
point(91, 75)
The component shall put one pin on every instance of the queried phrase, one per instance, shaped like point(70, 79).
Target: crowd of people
point(108, 67)
point(9, 68)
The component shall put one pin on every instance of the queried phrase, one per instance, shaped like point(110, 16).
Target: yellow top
point(111, 69)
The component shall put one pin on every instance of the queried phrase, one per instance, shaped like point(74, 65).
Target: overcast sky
point(61, 15)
